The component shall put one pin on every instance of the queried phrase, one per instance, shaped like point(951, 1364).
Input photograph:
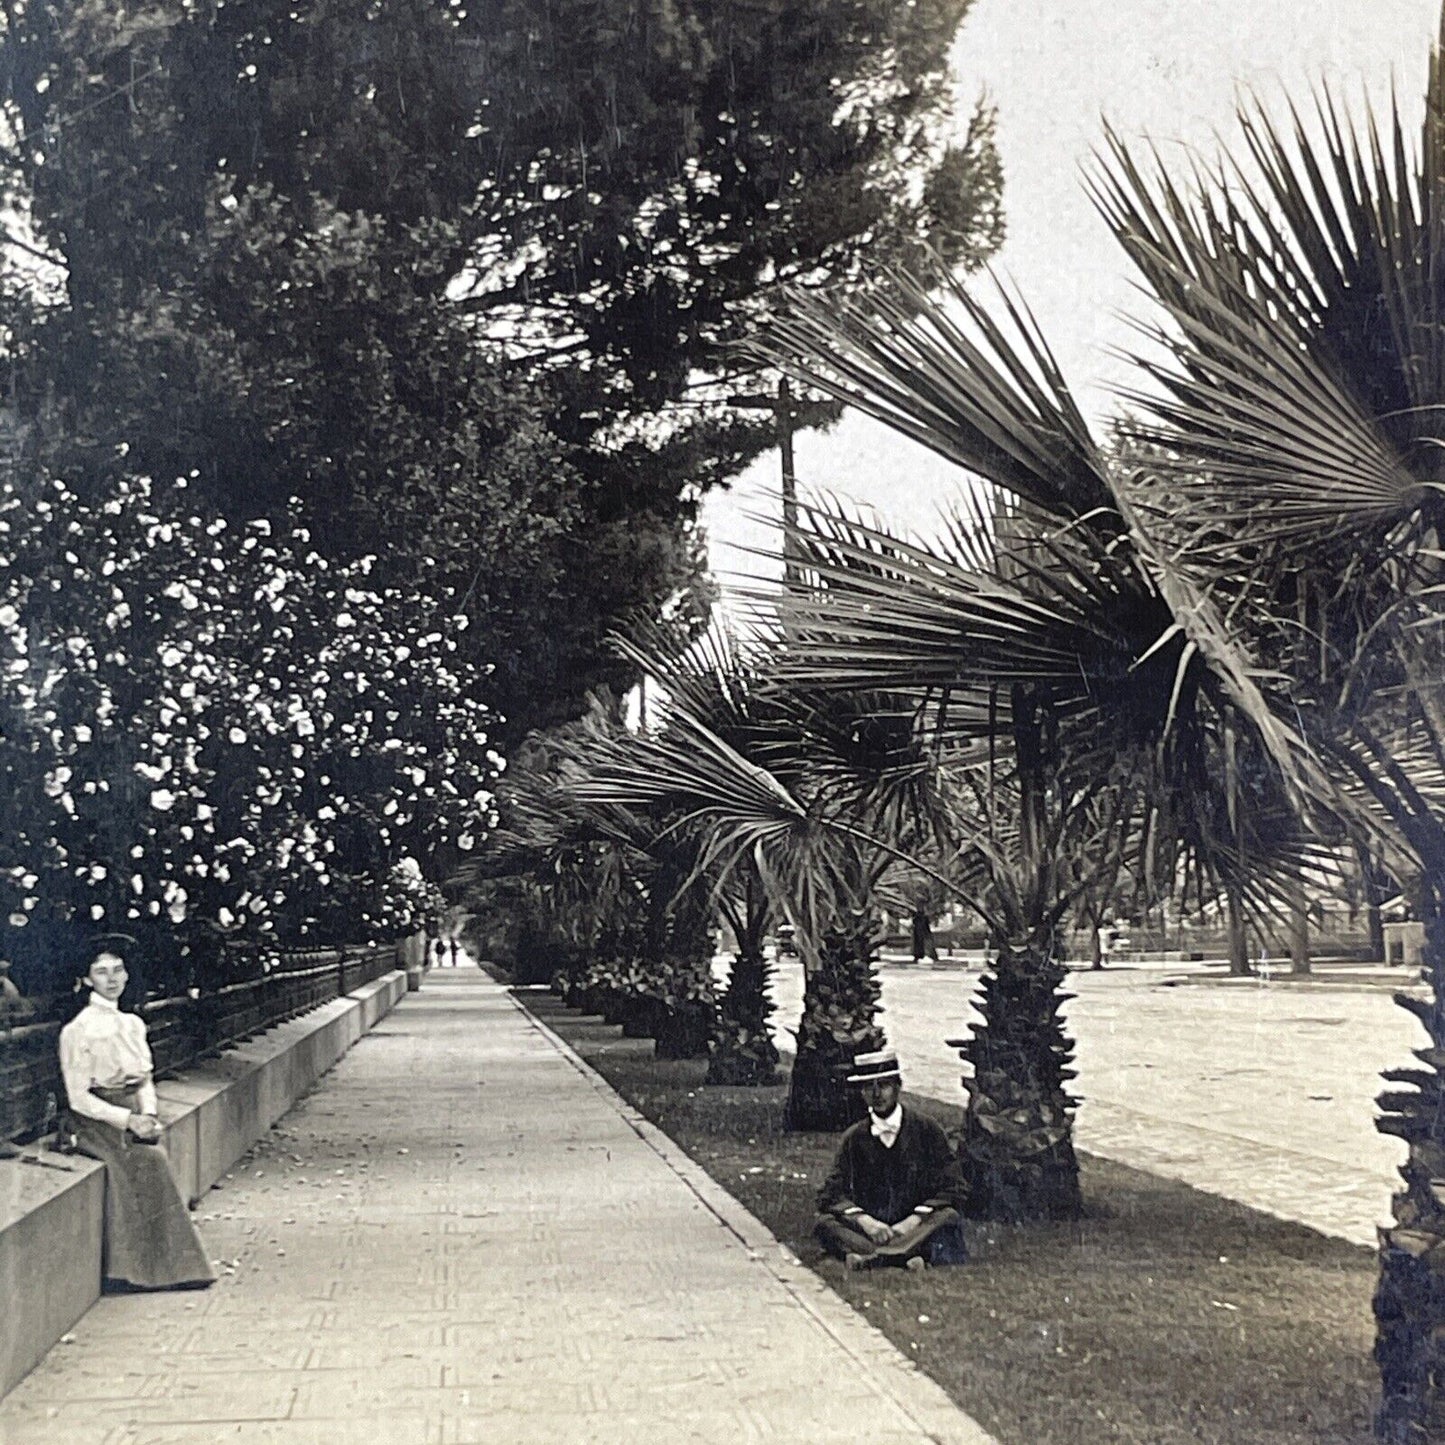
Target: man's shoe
point(917, 1264)
point(857, 1261)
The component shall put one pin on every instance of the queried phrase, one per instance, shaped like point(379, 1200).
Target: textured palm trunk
point(1299, 934)
point(1410, 1295)
point(679, 1005)
point(742, 1050)
point(1238, 935)
point(1017, 1148)
point(840, 1003)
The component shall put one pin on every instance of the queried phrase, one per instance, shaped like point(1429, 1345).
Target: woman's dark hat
point(871, 1068)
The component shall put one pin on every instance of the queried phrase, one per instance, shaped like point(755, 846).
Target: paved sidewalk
point(464, 1235)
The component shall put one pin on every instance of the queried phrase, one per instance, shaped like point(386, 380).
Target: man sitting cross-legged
point(895, 1192)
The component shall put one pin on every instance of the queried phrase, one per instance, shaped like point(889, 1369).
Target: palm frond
point(982, 392)
point(1266, 411)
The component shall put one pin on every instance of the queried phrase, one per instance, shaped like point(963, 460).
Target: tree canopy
point(459, 278)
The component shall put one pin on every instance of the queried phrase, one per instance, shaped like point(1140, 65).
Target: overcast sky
point(1167, 69)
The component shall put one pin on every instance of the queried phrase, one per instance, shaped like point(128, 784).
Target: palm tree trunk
point(1017, 1148)
point(742, 1050)
point(1299, 934)
point(1373, 888)
point(840, 1002)
point(686, 1006)
point(1238, 935)
point(1410, 1295)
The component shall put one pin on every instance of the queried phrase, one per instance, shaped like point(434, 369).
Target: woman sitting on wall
point(150, 1242)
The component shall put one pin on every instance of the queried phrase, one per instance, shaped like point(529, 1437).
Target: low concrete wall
point(50, 1219)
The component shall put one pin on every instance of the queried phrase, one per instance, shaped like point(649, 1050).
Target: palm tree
point(717, 677)
point(605, 891)
point(1304, 376)
point(1047, 627)
point(787, 801)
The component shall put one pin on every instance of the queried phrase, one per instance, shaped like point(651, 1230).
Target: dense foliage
point(210, 731)
point(455, 275)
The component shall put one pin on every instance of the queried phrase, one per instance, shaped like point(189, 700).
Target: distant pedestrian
point(923, 944)
point(1109, 938)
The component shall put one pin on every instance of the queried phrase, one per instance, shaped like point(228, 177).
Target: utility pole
point(784, 416)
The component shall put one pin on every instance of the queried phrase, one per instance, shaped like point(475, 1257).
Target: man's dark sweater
point(919, 1170)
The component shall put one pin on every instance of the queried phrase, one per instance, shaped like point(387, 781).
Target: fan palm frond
point(982, 392)
point(1267, 404)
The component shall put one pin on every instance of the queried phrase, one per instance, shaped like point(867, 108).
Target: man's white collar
point(886, 1129)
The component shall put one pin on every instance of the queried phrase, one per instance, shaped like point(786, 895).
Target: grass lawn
point(1167, 1315)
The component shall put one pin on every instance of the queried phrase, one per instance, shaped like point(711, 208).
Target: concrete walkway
point(464, 1235)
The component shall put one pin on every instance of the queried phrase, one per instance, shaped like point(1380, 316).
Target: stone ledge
point(50, 1219)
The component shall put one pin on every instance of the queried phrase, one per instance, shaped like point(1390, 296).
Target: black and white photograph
point(722, 721)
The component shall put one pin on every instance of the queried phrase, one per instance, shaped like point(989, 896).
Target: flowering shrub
point(210, 731)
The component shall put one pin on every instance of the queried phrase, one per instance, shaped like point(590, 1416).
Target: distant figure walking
point(923, 944)
point(105, 1060)
point(1110, 938)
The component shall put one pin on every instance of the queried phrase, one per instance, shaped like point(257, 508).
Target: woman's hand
point(145, 1126)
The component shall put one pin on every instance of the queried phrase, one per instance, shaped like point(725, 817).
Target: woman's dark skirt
point(150, 1242)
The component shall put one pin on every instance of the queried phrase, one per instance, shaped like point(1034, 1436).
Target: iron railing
point(182, 1029)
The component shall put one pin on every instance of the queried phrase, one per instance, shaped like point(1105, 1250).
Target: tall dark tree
point(456, 276)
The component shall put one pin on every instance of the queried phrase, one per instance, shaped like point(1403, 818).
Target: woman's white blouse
point(103, 1046)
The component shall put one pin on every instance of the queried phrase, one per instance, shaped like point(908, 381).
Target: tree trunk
point(1238, 935)
point(1017, 1149)
point(1299, 934)
point(1093, 921)
point(682, 1032)
point(1374, 891)
point(1375, 923)
point(840, 1002)
point(1410, 1295)
point(741, 1050)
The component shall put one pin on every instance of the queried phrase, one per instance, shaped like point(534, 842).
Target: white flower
point(172, 656)
point(8, 616)
point(237, 735)
point(97, 912)
point(83, 733)
point(18, 920)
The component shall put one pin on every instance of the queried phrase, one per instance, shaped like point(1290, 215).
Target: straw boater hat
point(869, 1068)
